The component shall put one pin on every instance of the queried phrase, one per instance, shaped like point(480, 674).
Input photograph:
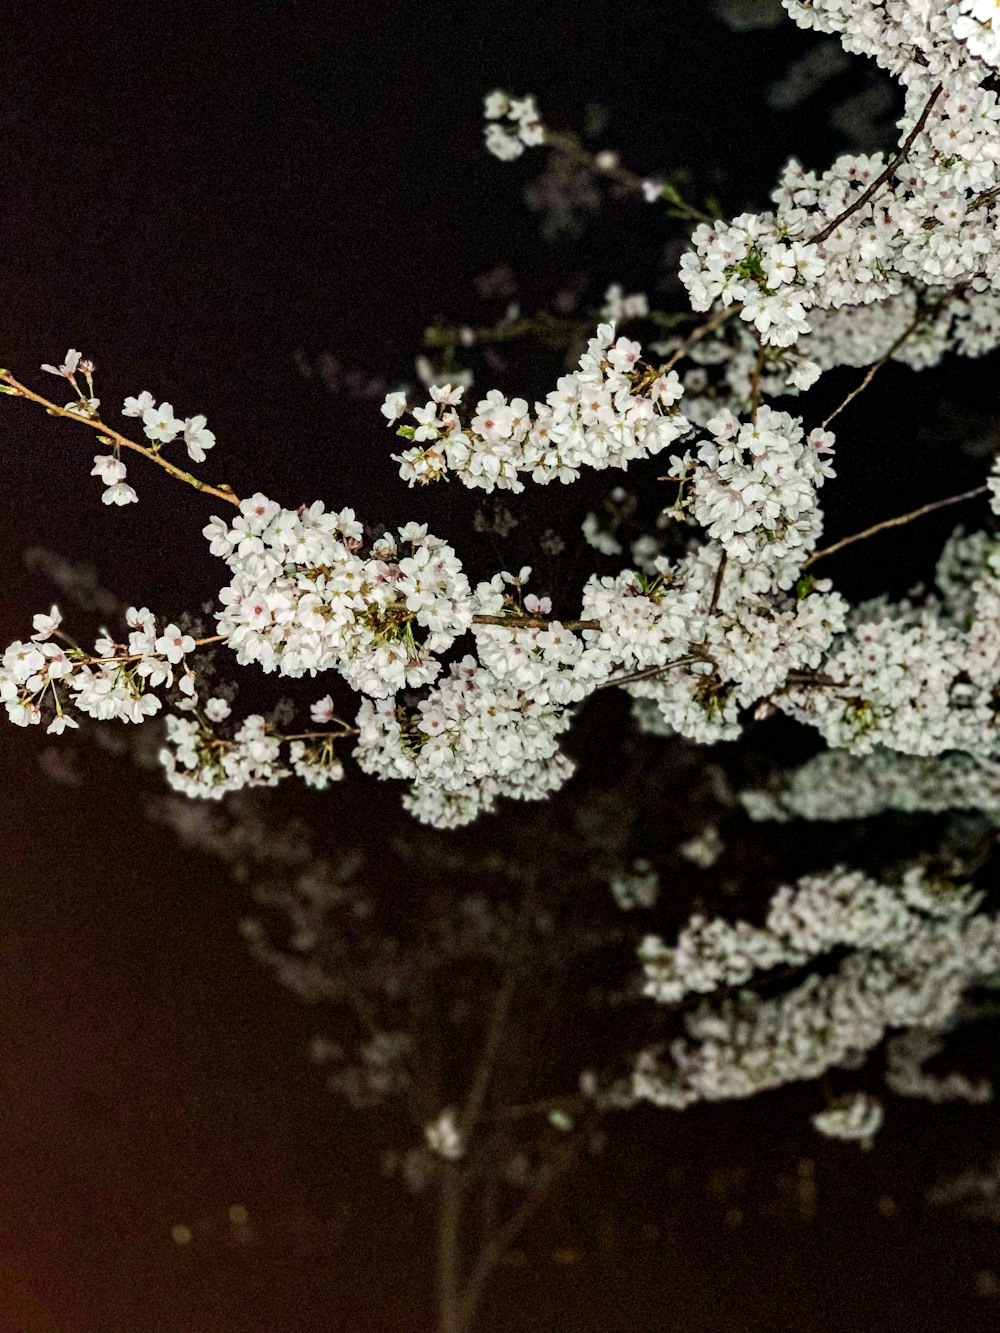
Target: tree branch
point(111, 436)
point(879, 181)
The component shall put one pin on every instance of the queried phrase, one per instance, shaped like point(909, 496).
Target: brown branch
point(897, 522)
point(910, 329)
point(222, 492)
point(500, 1242)
point(717, 585)
point(85, 660)
point(498, 1022)
point(755, 383)
point(649, 673)
point(880, 180)
point(702, 331)
point(533, 622)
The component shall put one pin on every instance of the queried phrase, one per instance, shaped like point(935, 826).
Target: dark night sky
point(191, 195)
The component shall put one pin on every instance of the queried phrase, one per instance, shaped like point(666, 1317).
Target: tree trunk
point(449, 1249)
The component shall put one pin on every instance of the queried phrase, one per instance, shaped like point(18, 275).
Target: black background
point(200, 199)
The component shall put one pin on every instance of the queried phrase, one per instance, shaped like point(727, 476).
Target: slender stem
point(880, 180)
point(321, 735)
point(222, 492)
point(872, 372)
point(502, 1239)
point(897, 522)
point(702, 331)
point(911, 328)
point(494, 1038)
point(755, 383)
point(628, 180)
point(649, 673)
point(717, 585)
point(136, 657)
point(533, 622)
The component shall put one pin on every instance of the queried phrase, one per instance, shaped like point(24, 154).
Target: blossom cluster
point(512, 125)
point(913, 951)
point(304, 599)
point(604, 414)
point(756, 491)
point(39, 678)
point(817, 915)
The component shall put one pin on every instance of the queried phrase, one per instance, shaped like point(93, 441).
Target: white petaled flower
point(45, 625)
point(322, 710)
point(108, 468)
point(119, 494)
point(136, 407)
point(174, 645)
point(394, 406)
point(217, 710)
point(59, 724)
point(993, 482)
point(444, 1136)
point(495, 105)
point(197, 439)
point(69, 366)
point(160, 425)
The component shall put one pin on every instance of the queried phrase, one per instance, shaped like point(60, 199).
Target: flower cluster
point(522, 130)
point(471, 739)
point(303, 599)
point(39, 678)
point(820, 913)
point(605, 414)
point(160, 426)
point(913, 952)
point(756, 490)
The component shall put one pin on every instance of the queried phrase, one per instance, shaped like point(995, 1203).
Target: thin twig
point(498, 1022)
point(755, 383)
point(649, 673)
point(702, 331)
point(895, 523)
point(880, 180)
point(85, 660)
point(222, 492)
point(498, 1244)
point(919, 318)
point(534, 622)
point(717, 585)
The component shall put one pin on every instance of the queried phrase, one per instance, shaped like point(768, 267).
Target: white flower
point(197, 439)
point(217, 710)
point(495, 105)
point(119, 494)
point(108, 468)
point(160, 425)
point(322, 710)
point(136, 407)
point(68, 367)
point(59, 724)
point(174, 645)
point(444, 1136)
point(45, 626)
point(394, 406)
